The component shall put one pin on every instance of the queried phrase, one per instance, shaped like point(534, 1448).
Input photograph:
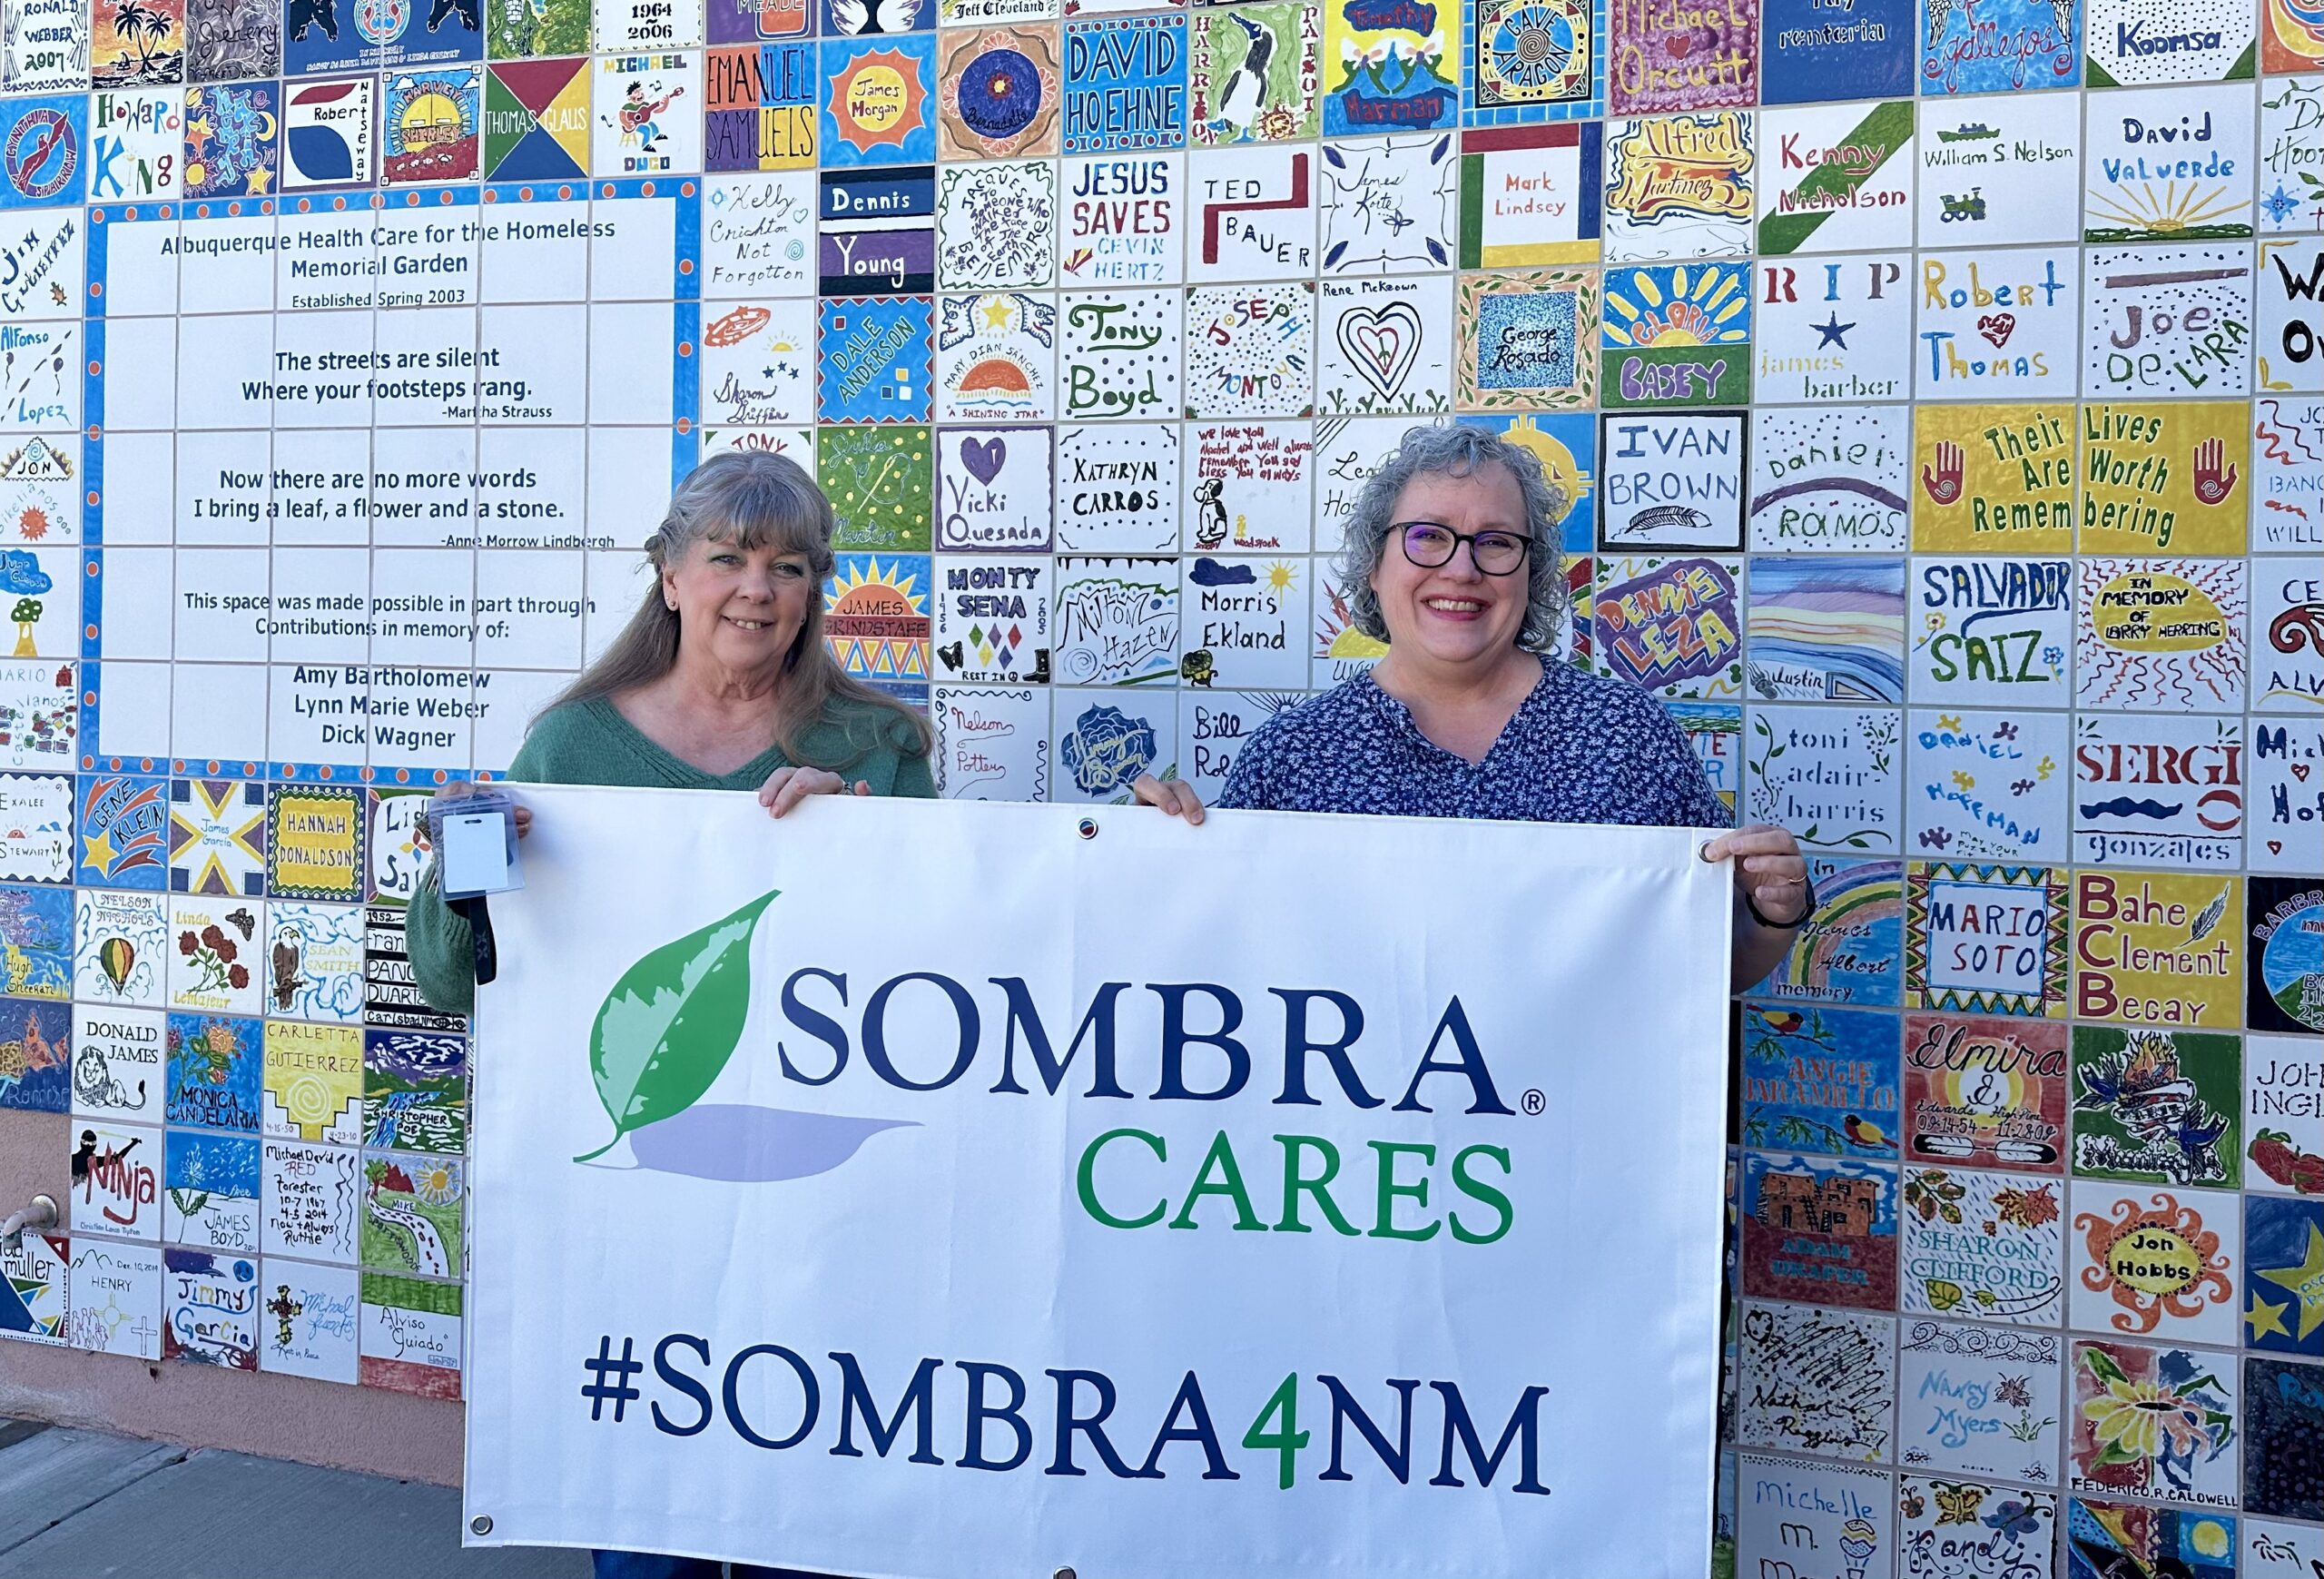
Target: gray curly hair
point(1458, 451)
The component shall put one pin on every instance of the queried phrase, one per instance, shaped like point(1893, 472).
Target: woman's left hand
point(785, 787)
point(1769, 870)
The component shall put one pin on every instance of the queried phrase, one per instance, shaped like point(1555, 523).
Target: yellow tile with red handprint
point(2164, 476)
point(1993, 479)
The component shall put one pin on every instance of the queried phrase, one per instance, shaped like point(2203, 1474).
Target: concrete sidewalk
point(83, 1505)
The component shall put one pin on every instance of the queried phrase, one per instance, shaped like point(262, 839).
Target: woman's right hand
point(443, 801)
point(1175, 796)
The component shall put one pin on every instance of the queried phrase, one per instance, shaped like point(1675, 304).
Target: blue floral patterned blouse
point(1580, 748)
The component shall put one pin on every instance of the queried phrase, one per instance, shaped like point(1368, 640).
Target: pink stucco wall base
point(198, 1405)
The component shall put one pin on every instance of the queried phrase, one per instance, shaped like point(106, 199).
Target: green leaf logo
point(672, 1021)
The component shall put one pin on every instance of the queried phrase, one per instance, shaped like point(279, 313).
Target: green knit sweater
point(591, 742)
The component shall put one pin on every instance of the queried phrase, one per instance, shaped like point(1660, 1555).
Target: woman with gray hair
point(1451, 558)
point(721, 680)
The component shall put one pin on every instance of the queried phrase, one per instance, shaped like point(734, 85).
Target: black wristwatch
point(1807, 910)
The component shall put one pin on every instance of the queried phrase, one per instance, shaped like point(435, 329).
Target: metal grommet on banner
point(1065, 1573)
point(481, 1525)
point(1087, 828)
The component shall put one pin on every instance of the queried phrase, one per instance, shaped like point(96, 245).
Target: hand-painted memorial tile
point(1818, 1080)
point(2136, 41)
point(1714, 730)
point(2159, 948)
point(758, 235)
point(451, 32)
point(308, 1324)
point(307, 1200)
point(1828, 481)
point(2161, 323)
point(1120, 355)
point(37, 931)
point(1820, 1229)
point(2158, 1106)
point(119, 1069)
point(315, 843)
point(1987, 785)
point(415, 1090)
point(2278, 1551)
point(217, 836)
point(1985, 1245)
point(643, 24)
point(1986, 939)
point(1531, 195)
point(647, 123)
point(47, 48)
point(861, 18)
point(2292, 142)
point(2119, 1389)
point(396, 845)
point(1248, 486)
point(1826, 628)
point(882, 482)
point(137, 55)
point(1995, 479)
point(120, 948)
point(40, 497)
point(115, 1299)
point(1126, 84)
point(1385, 346)
point(1967, 1526)
point(414, 1208)
point(2283, 1274)
point(36, 1056)
point(1117, 621)
point(2283, 1115)
point(1254, 214)
point(759, 113)
point(758, 364)
point(2287, 800)
point(1998, 325)
point(1390, 204)
point(2285, 954)
point(991, 743)
point(1840, 178)
point(875, 358)
point(2000, 171)
point(2158, 790)
point(1679, 186)
point(537, 121)
point(1672, 624)
point(116, 1180)
point(390, 996)
point(1242, 623)
point(1837, 331)
point(1681, 57)
point(1530, 59)
point(40, 831)
point(1851, 951)
point(1122, 220)
point(996, 225)
point(2170, 165)
point(1832, 775)
point(313, 1082)
point(1117, 488)
point(409, 1339)
point(2161, 634)
point(234, 141)
point(1213, 726)
point(997, 93)
point(1785, 1507)
point(537, 28)
point(971, 13)
point(1566, 444)
point(994, 489)
point(1389, 65)
point(1254, 75)
point(210, 1190)
point(1526, 338)
point(331, 134)
point(1984, 1093)
point(2155, 1263)
point(2287, 495)
point(209, 1309)
point(2283, 1421)
point(2112, 1537)
point(1103, 740)
point(1250, 351)
point(875, 616)
point(1817, 1381)
point(1810, 55)
point(2000, 46)
point(2161, 476)
point(1676, 335)
point(314, 962)
point(992, 618)
point(2290, 286)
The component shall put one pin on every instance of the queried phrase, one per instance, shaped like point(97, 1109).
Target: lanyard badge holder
point(475, 855)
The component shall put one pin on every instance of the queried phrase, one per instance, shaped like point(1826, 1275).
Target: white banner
point(966, 1191)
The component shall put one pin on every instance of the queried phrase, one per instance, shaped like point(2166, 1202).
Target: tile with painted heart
point(1385, 346)
point(1998, 325)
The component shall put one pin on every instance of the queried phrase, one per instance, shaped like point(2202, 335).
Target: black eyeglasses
point(1431, 544)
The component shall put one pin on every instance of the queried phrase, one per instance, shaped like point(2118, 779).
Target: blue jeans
point(646, 1566)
